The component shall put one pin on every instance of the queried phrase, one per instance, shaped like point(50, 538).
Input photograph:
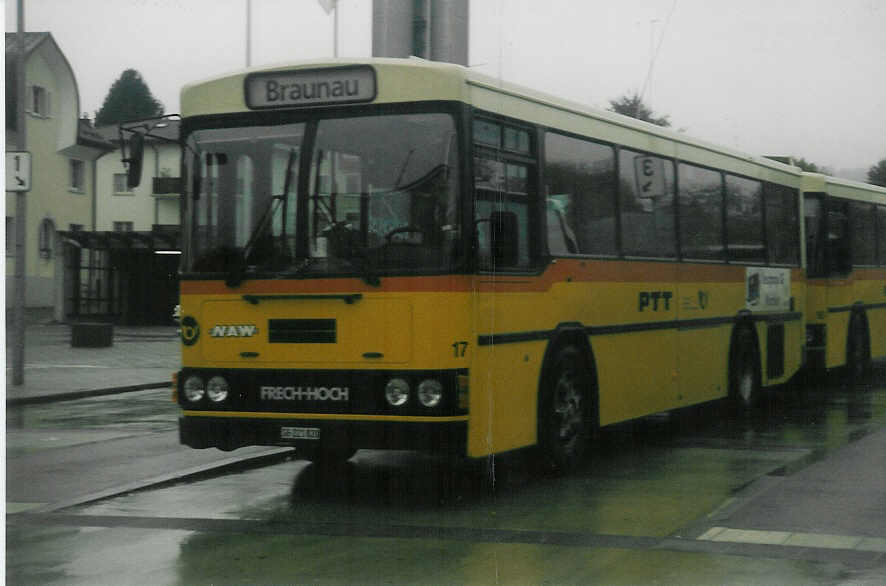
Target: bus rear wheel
point(563, 418)
point(744, 371)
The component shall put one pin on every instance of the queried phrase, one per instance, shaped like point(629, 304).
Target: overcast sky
point(791, 77)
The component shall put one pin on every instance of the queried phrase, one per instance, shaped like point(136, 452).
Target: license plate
point(310, 433)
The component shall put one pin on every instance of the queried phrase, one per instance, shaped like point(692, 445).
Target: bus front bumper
point(444, 436)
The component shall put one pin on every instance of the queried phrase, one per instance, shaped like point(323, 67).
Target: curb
point(73, 395)
point(199, 472)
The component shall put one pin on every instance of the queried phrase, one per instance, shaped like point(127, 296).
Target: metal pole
point(248, 33)
point(335, 28)
point(21, 210)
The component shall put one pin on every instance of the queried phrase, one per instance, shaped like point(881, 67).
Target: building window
point(120, 186)
point(122, 226)
point(45, 238)
point(10, 236)
point(75, 227)
point(77, 174)
point(39, 101)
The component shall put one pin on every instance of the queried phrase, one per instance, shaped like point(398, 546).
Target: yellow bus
point(845, 225)
point(402, 254)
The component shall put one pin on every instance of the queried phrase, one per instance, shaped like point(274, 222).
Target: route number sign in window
point(650, 177)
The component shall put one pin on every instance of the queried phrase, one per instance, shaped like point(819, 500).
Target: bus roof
point(407, 80)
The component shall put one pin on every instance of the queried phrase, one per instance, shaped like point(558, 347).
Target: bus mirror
point(134, 162)
point(505, 238)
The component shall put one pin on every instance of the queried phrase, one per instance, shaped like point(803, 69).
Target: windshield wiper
point(238, 269)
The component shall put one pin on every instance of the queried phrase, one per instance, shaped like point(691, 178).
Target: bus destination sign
point(310, 87)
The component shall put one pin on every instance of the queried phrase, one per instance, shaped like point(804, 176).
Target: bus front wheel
point(744, 371)
point(563, 425)
point(329, 456)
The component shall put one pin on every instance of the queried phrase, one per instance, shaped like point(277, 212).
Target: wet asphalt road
point(791, 495)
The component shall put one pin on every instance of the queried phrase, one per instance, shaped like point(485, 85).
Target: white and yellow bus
point(845, 224)
point(403, 254)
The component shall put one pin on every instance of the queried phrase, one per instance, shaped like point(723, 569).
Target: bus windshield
point(377, 195)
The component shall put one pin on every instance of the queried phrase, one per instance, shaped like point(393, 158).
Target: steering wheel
point(404, 230)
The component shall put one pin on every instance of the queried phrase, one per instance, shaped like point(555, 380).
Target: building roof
point(32, 41)
point(89, 136)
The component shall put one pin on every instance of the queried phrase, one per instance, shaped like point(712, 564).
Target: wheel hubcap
point(568, 408)
point(746, 386)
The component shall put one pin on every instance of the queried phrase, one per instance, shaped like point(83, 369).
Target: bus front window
point(378, 194)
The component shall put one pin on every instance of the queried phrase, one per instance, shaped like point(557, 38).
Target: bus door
point(506, 302)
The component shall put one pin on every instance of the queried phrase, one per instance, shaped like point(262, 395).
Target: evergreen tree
point(632, 105)
point(877, 174)
point(811, 167)
point(128, 99)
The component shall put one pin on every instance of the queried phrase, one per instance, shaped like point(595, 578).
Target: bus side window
point(646, 195)
point(744, 219)
point(815, 245)
point(701, 213)
point(837, 252)
point(580, 182)
point(782, 225)
point(863, 233)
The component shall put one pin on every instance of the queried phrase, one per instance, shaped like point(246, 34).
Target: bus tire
point(858, 350)
point(564, 409)
point(744, 371)
point(327, 456)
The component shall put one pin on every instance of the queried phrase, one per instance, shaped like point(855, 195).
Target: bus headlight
point(430, 392)
point(217, 389)
point(194, 389)
point(397, 392)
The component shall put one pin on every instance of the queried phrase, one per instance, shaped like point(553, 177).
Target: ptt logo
point(190, 330)
point(654, 300)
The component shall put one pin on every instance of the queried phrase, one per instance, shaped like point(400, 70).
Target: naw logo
point(233, 331)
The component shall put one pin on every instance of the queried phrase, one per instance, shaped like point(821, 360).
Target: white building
point(94, 250)
point(63, 153)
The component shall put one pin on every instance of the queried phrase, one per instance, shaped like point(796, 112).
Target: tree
point(877, 174)
point(810, 167)
point(632, 105)
point(128, 99)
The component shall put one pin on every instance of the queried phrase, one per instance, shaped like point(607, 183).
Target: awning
point(156, 240)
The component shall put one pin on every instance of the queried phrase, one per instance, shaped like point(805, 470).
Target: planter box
point(92, 335)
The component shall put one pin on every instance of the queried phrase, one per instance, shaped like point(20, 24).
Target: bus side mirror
point(505, 238)
point(134, 161)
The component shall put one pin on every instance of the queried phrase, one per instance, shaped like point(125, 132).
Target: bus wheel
point(327, 456)
point(563, 412)
point(858, 355)
point(744, 371)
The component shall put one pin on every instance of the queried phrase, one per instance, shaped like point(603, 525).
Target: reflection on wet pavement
point(399, 517)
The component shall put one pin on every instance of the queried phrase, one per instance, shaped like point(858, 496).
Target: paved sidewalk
point(139, 358)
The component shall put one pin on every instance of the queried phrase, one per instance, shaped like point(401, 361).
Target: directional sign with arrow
point(18, 171)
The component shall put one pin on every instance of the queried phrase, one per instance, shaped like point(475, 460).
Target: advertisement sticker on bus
point(768, 289)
